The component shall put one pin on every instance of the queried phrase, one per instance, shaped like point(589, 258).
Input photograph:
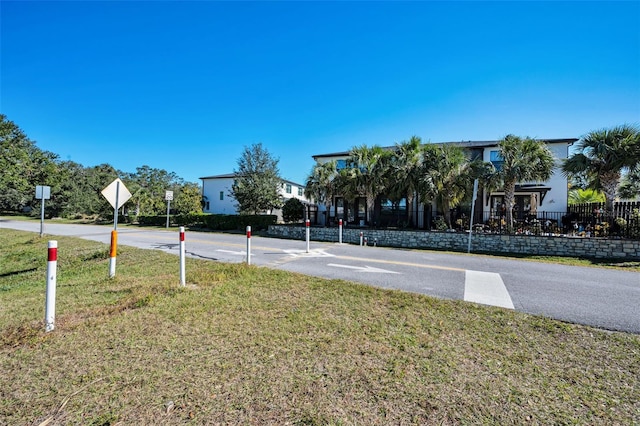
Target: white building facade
point(218, 199)
point(532, 198)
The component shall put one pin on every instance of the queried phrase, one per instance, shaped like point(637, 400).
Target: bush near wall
point(216, 222)
point(152, 220)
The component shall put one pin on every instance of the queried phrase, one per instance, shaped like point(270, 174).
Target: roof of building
point(234, 175)
point(464, 144)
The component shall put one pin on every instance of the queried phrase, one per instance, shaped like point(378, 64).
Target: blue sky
point(185, 86)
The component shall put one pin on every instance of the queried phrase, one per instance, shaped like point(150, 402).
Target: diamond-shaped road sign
point(122, 192)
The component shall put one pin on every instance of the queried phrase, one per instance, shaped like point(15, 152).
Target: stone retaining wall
point(488, 243)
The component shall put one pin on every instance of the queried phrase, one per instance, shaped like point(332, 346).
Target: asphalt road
point(598, 297)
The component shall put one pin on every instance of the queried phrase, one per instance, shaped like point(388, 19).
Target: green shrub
point(216, 222)
point(293, 210)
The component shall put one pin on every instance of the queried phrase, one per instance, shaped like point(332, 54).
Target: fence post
point(182, 259)
point(50, 301)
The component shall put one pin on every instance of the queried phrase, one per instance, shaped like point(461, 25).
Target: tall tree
point(404, 172)
point(257, 183)
point(148, 188)
point(346, 184)
point(447, 174)
point(603, 155)
point(370, 165)
point(321, 184)
point(23, 166)
point(522, 159)
point(188, 198)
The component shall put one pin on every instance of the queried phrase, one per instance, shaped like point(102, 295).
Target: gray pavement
point(598, 297)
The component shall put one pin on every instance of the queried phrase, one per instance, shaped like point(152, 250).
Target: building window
point(300, 192)
point(341, 164)
point(221, 195)
point(288, 188)
point(496, 159)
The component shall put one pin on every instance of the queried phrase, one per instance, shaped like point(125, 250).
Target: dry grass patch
point(247, 345)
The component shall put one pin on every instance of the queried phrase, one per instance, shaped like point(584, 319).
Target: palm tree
point(630, 185)
point(404, 172)
point(446, 176)
point(579, 196)
point(522, 159)
point(321, 184)
point(346, 184)
point(602, 156)
point(370, 165)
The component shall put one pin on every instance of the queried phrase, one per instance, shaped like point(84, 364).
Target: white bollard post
point(182, 259)
point(340, 231)
point(308, 230)
point(361, 238)
point(248, 245)
point(50, 301)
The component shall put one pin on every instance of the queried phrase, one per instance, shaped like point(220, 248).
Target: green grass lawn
point(249, 345)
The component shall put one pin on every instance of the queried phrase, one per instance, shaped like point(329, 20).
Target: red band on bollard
point(307, 223)
point(53, 254)
point(248, 234)
point(182, 236)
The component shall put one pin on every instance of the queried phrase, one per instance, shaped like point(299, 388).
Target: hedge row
point(218, 222)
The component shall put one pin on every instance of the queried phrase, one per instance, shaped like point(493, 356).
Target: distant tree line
point(76, 189)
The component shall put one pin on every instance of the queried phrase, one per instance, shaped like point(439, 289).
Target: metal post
point(361, 238)
point(182, 259)
point(115, 209)
point(340, 231)
point(248, 245)
point(168, 208)
point(307, 223)
point(42, 217)
point(50, 301)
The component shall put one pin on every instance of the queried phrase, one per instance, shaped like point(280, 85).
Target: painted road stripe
point(486, 288)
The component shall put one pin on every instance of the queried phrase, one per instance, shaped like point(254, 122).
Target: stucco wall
point(553, 246)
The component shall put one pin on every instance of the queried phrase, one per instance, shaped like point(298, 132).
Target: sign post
point(42, 193)
point(168, 195)
point(116, 194)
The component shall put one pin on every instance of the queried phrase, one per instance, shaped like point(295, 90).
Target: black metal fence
point(581, 220)
point(586, 220)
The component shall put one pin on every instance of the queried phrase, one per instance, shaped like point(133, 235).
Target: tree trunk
point(410, 209)
point(371, 207)
point(509, 200)
point(609, 182)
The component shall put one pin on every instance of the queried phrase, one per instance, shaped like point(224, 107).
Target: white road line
point(486, 288)
point(363, 268)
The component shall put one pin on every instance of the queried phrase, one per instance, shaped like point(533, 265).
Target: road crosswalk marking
point(486, 288)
